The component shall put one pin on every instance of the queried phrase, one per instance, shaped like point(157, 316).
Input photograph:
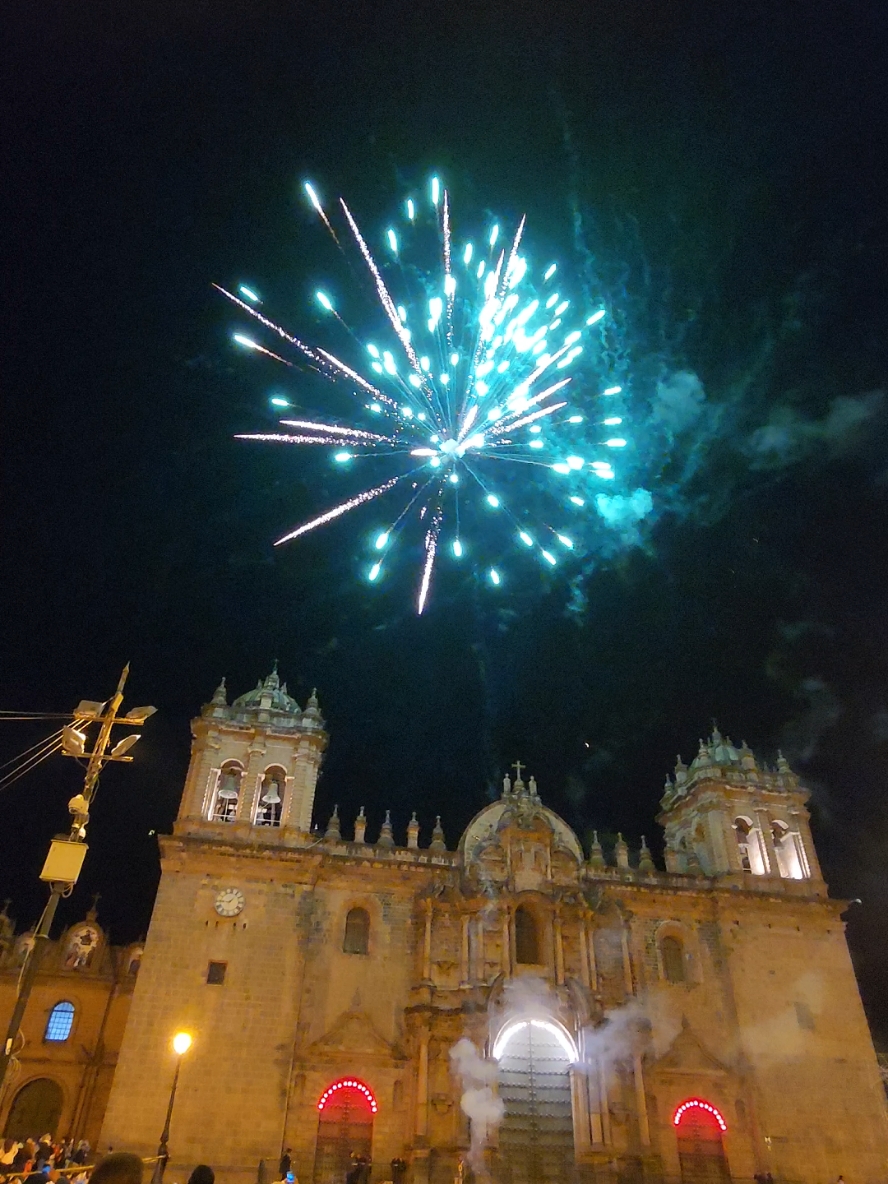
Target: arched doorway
point(345, 1128)
point(536, 1143)
point(35, 1111)
point(701, 1153)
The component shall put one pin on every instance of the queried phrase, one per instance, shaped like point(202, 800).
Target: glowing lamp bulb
point(457, 548)
point(495, 577)
point(181, 1043)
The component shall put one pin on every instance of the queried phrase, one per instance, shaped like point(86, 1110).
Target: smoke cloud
point(788, 437)
point(479, 1100)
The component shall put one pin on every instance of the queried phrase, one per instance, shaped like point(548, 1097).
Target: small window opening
point(60, 1022)
point(216, 973)
point(357, 932)
point(672, 955)
point(527, 952)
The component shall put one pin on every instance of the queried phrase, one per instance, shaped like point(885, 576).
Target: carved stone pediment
point(687, 1054)
point(353, 1033)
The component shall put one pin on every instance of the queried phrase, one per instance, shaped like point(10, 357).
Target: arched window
point(227, 793)
point(788, 863)
point(357, 932)
point(61, 1018)
point(672, 959)
point(527, 951)
point(749, 844)
point(270, 799)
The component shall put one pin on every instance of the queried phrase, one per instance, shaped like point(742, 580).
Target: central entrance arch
point(701, 1153)
point(36, 1109)
point(536, 1144)
point(345, 1129)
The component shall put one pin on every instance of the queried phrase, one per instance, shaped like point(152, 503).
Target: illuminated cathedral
point(698, 1022)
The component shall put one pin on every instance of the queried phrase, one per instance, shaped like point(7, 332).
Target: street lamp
point(181, 1045)
point(67, 852)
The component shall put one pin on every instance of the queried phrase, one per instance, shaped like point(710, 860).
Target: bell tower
point(726, 815)
point(254, 767)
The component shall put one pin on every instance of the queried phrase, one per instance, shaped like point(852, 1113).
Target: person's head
point(120, 1167)
point(202, 1174)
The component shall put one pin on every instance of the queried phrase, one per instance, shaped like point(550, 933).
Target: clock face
point(229, 902)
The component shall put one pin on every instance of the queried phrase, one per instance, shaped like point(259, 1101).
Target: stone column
point(580, 1107)
point(422, 1086)
point(763, 823)
point(603, 1103)
point(421, 1121)
point(427, 946)
point(590, 942)
point(480, 958)
point(627, 961)
point(644, 1129)
point(584, 954)
point(464, 968)
point(507, 943)
point(559, 950)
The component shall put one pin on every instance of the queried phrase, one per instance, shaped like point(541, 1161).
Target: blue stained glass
point(61, 1019)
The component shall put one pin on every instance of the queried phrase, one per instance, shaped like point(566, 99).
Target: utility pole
point(67, 852)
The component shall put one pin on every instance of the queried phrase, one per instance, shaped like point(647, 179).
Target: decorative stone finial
point(596, 854)
point(747, 759)
point(438, 843)
point(532, 786)
point(681, 771)
point(507, 786)
point(621, 850)
point(413, 832)
point(333, 831)
point(360, 825)
point(386, 838)
point(645, 859)
point(782, 763)
point(220, 695)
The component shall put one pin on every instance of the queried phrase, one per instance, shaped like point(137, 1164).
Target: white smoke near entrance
point(479, 1101)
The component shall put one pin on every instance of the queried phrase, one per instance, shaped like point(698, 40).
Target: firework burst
point(477, 369)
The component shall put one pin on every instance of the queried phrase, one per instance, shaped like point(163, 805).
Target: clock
point(229, 902)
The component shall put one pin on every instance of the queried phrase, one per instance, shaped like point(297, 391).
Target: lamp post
point(181, 1045)
point(67, 852)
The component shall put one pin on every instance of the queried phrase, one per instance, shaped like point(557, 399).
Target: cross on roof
point(517, 766)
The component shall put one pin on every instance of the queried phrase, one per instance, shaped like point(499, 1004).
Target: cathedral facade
point(517, 1007)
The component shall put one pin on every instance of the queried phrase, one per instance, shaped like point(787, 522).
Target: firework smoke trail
point(459, 389)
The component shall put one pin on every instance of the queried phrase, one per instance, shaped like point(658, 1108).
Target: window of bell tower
point(270, 799)
point(227, 795)
point(749, 844)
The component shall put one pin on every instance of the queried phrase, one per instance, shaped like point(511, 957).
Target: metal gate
point(345, 1131)
point(700, 1150)
point(536, 1136)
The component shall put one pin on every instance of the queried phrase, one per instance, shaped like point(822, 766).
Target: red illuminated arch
point(348, 1083)
point(698, 1104)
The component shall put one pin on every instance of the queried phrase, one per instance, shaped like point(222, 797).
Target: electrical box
point(64, 861)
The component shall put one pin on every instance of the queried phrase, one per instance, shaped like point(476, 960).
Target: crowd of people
point(33, 1157)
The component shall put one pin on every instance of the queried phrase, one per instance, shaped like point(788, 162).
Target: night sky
point(716, 171)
